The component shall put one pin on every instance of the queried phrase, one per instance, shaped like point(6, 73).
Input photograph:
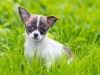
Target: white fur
point(38, 20)
point(50, 49)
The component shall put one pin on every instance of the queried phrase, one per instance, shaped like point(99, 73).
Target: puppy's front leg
point(48, 64)
point(29, 54)
point(49, 61)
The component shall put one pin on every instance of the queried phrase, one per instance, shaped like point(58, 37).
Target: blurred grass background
point(79, 28)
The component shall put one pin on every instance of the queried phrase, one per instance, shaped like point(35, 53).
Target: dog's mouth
point(35, 38)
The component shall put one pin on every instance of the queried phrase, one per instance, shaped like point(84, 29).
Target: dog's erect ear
point(24, 14)
point(51, 20)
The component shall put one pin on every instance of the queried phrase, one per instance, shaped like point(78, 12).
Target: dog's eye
point(30, 27)
point(43, 29)
point(33, 24)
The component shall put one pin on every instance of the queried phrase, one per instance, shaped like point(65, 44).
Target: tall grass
point(79, 28)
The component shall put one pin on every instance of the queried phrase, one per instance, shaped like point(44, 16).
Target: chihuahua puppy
point(37, 27)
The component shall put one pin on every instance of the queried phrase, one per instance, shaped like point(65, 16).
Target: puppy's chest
point(31, 48)
point(49, 46)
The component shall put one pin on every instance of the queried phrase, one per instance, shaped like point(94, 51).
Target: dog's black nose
point(35, 35)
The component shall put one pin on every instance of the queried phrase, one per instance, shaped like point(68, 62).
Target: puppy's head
point(36, 25)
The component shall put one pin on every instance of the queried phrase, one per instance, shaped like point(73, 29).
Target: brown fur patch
point(33, 18)
point(43, 25)
point(68, 51)
point(31, 24)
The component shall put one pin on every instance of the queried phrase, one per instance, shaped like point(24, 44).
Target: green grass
point(79, 28)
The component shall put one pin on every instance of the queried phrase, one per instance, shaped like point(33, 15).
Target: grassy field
point(79, 28)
